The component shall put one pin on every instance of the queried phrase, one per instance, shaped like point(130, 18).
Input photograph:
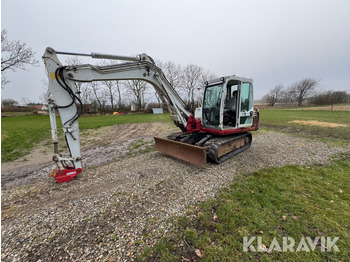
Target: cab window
point(246, 97)
point(211, 105)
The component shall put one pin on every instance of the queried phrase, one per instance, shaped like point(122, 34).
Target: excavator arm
point(63, 95)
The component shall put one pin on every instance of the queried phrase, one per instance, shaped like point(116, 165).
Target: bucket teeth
point(193, 154)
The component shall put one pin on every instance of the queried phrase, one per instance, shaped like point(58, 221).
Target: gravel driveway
point(126, 200)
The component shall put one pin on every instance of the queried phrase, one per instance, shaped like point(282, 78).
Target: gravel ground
point(126, 201)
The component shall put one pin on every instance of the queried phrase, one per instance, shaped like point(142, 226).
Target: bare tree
point(14, 55)
point(110, 92)
point(138, 89)
point(119, 87)
point(191, 81)
point(99, 96)
point(114, 88)
point(158, 99)
point(86, 96)
point(207, 76)
point(275, 95)
point(188, 81)
point(172, 72)
point(303, 89)
point(8, 102)
point(288, 96)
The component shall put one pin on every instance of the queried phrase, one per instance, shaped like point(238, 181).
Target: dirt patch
point(99, 146)
point(317, 123)
point(41, 153)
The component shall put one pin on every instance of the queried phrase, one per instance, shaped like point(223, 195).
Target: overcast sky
point(271, 41)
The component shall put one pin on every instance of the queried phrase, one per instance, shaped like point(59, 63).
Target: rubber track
point(212, 146)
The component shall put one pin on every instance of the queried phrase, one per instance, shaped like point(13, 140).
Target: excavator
point(217, 131)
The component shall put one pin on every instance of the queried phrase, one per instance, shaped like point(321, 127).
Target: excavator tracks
point(220, 149)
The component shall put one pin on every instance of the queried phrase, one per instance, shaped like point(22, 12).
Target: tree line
point(107, 96)
point(302, 92)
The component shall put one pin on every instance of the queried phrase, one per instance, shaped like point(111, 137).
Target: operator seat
point(230, 110)
point(231, 104)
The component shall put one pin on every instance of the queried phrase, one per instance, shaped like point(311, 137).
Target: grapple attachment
point(193, 154)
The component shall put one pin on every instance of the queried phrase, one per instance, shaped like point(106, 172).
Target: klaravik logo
point(288, 244)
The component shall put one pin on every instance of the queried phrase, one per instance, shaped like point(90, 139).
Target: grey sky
point(272, 41)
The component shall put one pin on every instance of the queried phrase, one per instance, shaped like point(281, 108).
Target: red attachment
point(193, 124)
point(65, 175)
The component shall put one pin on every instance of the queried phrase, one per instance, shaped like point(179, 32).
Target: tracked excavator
point(217, 131)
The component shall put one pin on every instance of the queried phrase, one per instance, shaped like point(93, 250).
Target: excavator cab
point(228, 103)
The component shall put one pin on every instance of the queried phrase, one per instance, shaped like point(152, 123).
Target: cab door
point(245, 112)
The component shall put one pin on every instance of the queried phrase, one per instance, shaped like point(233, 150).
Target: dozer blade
point(193, 154)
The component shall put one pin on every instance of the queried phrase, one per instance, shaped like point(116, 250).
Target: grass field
point(19, 134)
point(282, 119)
point(336, 107)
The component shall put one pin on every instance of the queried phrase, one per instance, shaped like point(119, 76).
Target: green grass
point(99, 121)
point(19, 134)
point(280, 119)
point(292, 201)
point(12, 114)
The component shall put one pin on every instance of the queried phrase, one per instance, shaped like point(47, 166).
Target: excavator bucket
point(193, 154)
